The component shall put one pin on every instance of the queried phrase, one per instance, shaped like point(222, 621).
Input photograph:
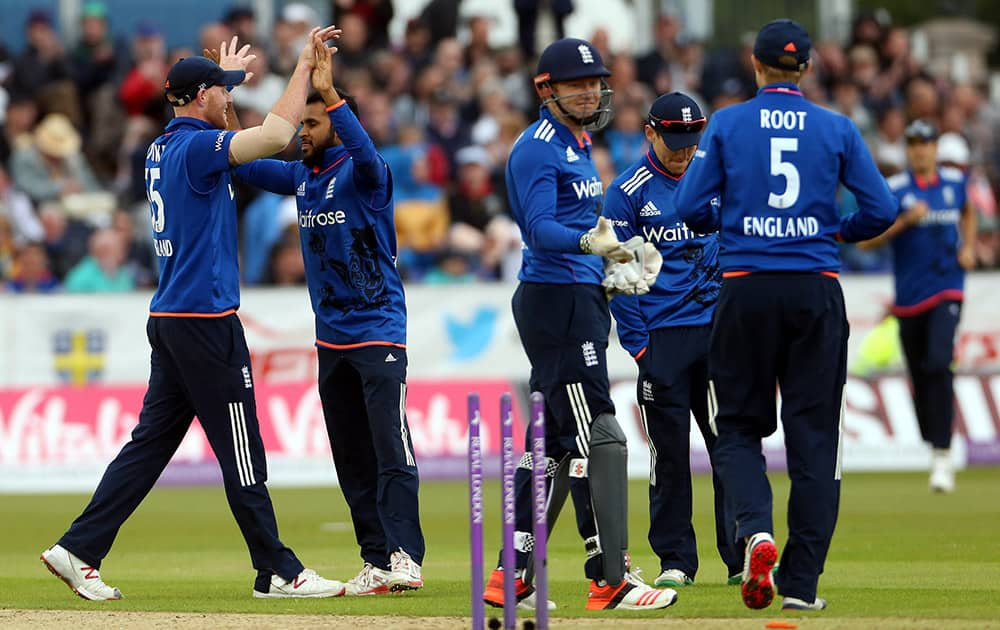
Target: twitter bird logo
point(470, 339)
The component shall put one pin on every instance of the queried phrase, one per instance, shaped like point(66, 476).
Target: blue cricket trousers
point(198, 367)
point(928, 341)
point(363, 392)
point(787, 330)
point(673, 384)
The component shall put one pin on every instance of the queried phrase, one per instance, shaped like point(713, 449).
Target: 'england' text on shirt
point(780, 227)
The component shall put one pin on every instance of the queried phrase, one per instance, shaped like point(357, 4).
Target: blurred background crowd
point(443, 104)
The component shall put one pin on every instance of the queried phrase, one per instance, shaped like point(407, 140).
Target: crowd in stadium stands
point(442, 106)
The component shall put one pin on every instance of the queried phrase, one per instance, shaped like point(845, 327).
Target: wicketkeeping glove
point(601, 240)
point(635, 277)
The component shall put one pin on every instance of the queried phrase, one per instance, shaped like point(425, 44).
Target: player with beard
point(343, 189)
point(200, 363)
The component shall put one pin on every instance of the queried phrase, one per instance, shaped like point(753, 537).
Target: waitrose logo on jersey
point(308, 219)
point(588, 188)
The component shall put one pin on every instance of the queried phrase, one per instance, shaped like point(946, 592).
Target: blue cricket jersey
point(555, 196)
point(194, 220)
point(348, 237)
point(776, 161)
point(925, 256)
point(640, 201)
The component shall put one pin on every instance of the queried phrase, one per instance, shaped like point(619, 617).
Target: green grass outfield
point(899, 554)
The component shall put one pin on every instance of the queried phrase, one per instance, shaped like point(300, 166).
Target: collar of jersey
point(563, 131)
point(780, 88)
point(191, 122)
point(331, 157)
point(659, 167)
point(924, 184)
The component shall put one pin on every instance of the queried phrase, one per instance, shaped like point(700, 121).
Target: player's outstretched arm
point(369, 170)
point(279, 125)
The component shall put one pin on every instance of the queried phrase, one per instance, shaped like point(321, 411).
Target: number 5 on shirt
point(155, 199)
point(787, 170)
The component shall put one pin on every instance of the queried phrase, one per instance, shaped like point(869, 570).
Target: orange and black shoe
point(757, 587)
point(493, 595)
point(631, 594)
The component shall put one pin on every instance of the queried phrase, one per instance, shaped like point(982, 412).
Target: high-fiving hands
point(308, 55)
point(232, 59)
point(322, 73)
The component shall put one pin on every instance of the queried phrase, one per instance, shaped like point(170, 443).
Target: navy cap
point(191, 74)
point(39, 16)
point(568, 59)
point(783, 44)
point(678, 120)
point(921, 130)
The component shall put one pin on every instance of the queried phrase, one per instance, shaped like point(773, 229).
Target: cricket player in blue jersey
point(776, 161)
point(932, 245)
point(343, 191)
point(666, 331)
point(200, 364)
point(563, 320)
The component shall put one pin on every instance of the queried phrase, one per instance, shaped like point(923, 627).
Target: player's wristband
point(585, 242)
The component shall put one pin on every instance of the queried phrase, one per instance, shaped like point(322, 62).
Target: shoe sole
point(672, 583)
point(66, 581)
point(399, 587)
point(259, 595)
point(758, 589)
point(655, 605)
point(381, 590)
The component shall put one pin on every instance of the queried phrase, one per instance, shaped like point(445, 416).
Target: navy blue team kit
point(780, 317)
point(349, 248)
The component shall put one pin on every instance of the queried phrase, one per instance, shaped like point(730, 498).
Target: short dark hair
point(314, 97)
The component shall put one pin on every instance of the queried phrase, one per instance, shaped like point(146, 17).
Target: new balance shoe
point(631, 594)
point(307, 584)
point(673, 577)
point(371, 581)
point(83, 580)
point(525, 593)
point(794, 603)
point(404, 573)
point(757, 587)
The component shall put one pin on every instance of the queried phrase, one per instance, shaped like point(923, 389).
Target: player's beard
point(315, 157)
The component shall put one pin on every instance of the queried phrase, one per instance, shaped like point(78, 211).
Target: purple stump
point(476, 513)
point(540, 502)
point(507, 468)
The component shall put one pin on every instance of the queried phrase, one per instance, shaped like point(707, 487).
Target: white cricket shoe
point(371, 581)
point(673, 577)
point(794, 603)
point(942, 471)
point(305, 585)
point(404, 573)
point(530, 602)
point(85, 581)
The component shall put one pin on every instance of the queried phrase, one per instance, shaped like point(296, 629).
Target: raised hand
point(307, 56)
point(322, 73)
point(232, 59)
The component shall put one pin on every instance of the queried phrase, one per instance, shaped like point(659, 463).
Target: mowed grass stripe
point(899, 553)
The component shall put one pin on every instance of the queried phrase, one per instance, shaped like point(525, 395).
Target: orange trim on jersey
point(928, 304)
point(201, 315)
point(641, 353)
point(316, 170)
point(335, 105)
point(740, 274)
point(923, 183)
point(363, 344)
